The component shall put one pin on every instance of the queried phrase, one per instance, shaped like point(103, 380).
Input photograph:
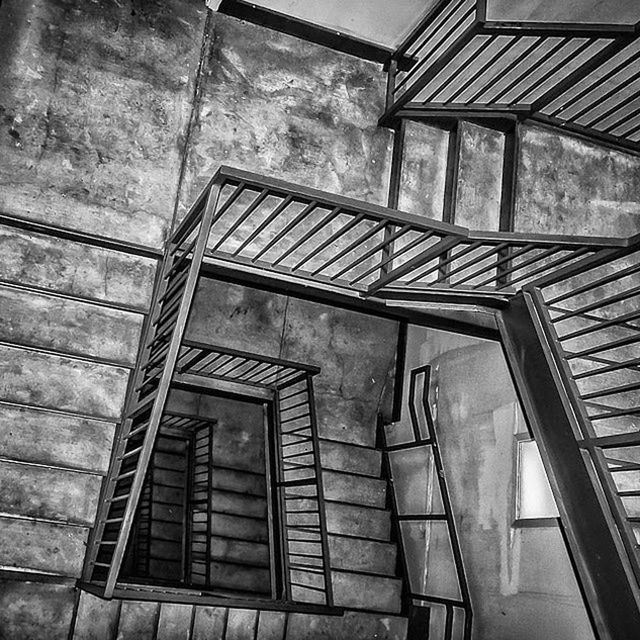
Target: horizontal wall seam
point(62, 412)
point(31, 575)
point(102, 242)
point(64, 523)
point(55, 467)
point(24, 346)
point(98, 302)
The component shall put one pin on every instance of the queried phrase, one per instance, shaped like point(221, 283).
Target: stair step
point(253, 553)
point(361, 522)
point(96, 619)
point(239, 504)
point(342, 487)
point(353, 625)
point(238, 481)
point(240, 528)
point(358, 591)
point(163, 569)
point(174, 621)
point(136, 619)
point(357, 554)
point(166, 549)
point(339, 456)
point(238, 577)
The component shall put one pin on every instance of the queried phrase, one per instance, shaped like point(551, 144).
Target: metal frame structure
point(341, 248)
point(167, 358)
point(341, 245)
point(581, 77)
point(589, 318)
point(458, 614)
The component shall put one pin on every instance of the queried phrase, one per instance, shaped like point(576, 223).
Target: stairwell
point(363, 569)
point(363, 556)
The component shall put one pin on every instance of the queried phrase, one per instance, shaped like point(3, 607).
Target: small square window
point(535, 503)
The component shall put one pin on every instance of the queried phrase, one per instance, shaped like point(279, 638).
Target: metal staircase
point(167, 358)
point(444, 605)
point(572, 302)
point(590, 319)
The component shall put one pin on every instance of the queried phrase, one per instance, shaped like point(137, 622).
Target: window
point(535, 504)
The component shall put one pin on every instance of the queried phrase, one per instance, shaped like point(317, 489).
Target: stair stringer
point(602, 567)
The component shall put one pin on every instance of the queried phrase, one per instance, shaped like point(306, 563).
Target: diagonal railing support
point(604, 572)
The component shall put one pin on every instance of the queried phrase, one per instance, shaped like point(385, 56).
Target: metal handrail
point(591, 294)
point(268, 225)
point(429, 440)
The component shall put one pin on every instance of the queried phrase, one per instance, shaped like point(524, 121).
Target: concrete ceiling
point(590, 11)
point(380, 21)
point(387, 23)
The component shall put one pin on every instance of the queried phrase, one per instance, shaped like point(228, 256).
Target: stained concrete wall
point(567, 185)
point(94, 103)
point(98, 103)
point(279, 106)
point(521, 580)
point(424, 166)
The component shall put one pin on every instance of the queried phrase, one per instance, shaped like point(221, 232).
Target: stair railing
point(456, 601)
point(291, 232)
point(590, 318)
point(167, 357)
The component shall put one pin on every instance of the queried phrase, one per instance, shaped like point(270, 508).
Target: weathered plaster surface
point(66, 325)
point(479, 177)
point(36, 260)
point(45, 437)
point(42, 546)
point(424, 166)
point(27, 608)
point(569, 186)
point(56, 382)
point(95, 101)
point(279, 106)
point(38, 492)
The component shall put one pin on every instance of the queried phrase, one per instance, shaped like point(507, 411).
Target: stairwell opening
point(207, 517)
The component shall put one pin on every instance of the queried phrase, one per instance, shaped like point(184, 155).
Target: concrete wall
point(424, 168)
point(94, 103)
point(565, 185)
point(99, 102)
point(279, 106)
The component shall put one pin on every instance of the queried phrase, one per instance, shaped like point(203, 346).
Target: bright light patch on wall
point(535, 499)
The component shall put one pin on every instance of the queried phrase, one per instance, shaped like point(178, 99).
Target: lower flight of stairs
point(98, 619)
point(363, 569)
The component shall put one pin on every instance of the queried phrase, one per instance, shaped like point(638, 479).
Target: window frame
point(517, 520)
